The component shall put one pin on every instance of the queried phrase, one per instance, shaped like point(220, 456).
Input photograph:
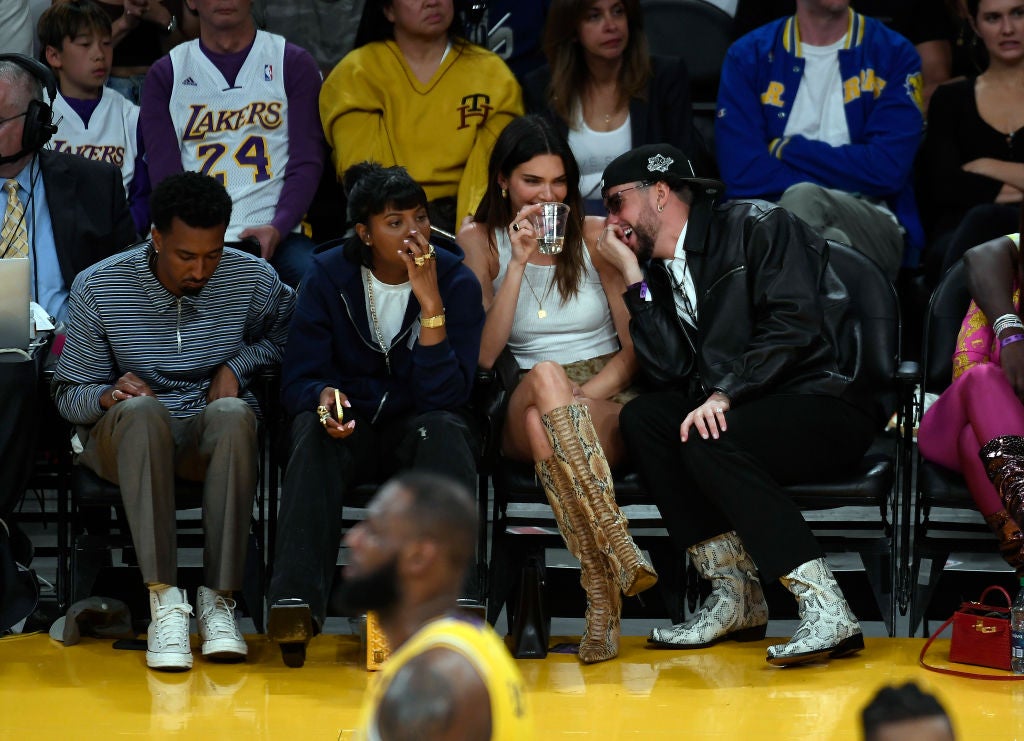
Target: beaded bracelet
point(1011, 339)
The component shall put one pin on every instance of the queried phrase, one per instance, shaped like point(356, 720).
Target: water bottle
point(1017, 632)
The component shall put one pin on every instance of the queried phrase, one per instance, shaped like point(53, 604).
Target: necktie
point(14, 234)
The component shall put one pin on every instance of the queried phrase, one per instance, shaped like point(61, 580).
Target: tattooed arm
point(436, 696)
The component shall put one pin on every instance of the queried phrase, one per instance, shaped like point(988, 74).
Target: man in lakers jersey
point(240, 105)
point(449, 675)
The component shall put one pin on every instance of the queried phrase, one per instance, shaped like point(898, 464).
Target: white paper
point(42, 321)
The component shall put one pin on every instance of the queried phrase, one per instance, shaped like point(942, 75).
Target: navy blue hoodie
point(330, 343)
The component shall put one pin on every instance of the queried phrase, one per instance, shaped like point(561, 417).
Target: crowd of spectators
point(822, 109)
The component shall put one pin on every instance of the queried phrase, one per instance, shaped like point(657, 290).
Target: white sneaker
point(218, 627)
point(167, 644)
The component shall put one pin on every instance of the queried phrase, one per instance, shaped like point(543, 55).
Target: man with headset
point(63, 213)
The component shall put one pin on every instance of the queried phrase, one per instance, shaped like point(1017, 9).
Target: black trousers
point(21, 407)
point(704, 488)
point(982, 223)
point(320, 471)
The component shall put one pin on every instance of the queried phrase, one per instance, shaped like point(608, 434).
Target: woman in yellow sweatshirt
point(415, 94)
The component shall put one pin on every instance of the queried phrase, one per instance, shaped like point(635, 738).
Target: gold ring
point(421, 260)
point(113, 394)
point(324, 413)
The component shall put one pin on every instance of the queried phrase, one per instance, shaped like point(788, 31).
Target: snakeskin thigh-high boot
point(828, 628)
point(578, 450)
point(1003, 458)
point(1011, 539)
point(600, 640)
point(735, 609)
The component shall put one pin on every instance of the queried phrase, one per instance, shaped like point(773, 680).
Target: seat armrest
point(909, 372)
point(491, 391)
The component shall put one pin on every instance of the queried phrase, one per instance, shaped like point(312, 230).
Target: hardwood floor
point(728, 692)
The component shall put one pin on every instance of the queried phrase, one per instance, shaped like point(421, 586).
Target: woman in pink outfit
point(979, 406)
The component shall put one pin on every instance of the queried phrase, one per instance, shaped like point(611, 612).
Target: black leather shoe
point(290, 625)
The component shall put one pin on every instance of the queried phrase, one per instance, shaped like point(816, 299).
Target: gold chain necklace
point(541, 313)
point(373, 319)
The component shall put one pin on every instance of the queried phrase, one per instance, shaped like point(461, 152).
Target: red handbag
point(981, 636)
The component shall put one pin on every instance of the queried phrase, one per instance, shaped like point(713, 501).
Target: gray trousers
point(140, 447)
point(837, 215)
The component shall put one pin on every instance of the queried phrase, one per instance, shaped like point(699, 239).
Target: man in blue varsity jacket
point(821, 112)
point(163, 340)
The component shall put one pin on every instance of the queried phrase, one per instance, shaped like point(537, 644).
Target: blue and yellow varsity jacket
point(881, 74)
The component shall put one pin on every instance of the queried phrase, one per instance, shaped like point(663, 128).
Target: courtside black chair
point(876, 483)
point(523, 528)
point(700, 33)
point(695, 30)
point(945, 518)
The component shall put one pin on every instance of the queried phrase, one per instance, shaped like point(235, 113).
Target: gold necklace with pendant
point(541, 313)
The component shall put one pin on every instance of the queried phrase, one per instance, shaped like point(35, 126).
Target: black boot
point(291, 626)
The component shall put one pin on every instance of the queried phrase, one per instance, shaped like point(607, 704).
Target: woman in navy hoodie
point(377, 375)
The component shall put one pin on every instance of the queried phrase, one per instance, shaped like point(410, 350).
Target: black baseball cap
point(650, 163)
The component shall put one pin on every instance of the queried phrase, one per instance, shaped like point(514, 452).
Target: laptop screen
point(14, 306)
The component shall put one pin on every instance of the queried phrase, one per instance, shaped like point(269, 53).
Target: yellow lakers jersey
point(511, 719)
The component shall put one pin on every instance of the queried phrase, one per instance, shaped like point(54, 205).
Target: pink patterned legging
point(978, 406)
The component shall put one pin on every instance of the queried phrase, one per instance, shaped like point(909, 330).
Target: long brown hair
point(523, 139)
point(565, 55)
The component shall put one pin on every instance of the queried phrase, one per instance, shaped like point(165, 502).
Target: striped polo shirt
point(121, 319)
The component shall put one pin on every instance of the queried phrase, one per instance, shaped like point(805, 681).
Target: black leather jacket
point(772, 316)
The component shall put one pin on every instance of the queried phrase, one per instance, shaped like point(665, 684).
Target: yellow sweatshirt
point(374, 108)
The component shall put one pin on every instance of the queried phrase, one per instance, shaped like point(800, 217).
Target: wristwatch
point(432, 322)
point(173, 25)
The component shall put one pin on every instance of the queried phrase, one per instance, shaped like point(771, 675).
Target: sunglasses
point(613, 203)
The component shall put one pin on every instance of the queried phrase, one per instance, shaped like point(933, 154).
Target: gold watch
point(432, 322)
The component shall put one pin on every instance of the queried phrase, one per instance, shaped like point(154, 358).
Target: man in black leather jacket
point(737, 316)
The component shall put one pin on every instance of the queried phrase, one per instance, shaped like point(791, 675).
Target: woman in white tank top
point(560, 313)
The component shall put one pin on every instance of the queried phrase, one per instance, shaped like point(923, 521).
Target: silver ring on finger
point(719, 410)
point(515, 226)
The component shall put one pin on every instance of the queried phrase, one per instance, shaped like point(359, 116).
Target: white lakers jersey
point(235, 133)
point(111, 136)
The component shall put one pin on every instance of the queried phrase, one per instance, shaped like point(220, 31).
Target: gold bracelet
point(432, 322)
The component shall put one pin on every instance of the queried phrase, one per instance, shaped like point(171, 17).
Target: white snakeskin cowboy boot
point(827, 627)
point(735, 609)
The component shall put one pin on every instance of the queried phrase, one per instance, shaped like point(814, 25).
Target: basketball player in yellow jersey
point(449, 676)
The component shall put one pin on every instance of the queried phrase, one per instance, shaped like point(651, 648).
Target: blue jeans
point(293, 257)
point(129, 87)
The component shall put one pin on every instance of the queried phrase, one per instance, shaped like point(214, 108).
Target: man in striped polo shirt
point(162, 343)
